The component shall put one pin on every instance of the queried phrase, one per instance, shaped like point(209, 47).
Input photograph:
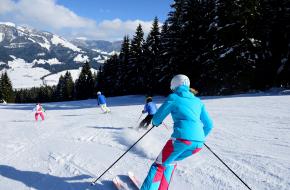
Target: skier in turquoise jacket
point(191, 125)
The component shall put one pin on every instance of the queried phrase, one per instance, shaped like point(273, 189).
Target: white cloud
point(6, 6)
point(48, 15)
point(45, 13)
point(116, 29)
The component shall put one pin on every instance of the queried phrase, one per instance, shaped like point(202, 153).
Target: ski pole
point(226, 166)
point(139, 117)
point(95, 180)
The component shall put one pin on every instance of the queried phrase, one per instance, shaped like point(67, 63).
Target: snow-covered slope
point(77, 142)
point(23, 75)
point(56, 40)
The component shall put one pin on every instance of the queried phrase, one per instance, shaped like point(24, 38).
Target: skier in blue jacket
point(150, 108)
point(102, 102)
point(191, 125)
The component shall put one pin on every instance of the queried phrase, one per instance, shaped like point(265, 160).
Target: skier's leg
point(103, 107)
point(167, 176)
point(161, 171)
point(153, 179)
point(42, 116)
point(195, 148)
point(107, 109)
point(142, 123)
point(148, 120)
point(36, 116)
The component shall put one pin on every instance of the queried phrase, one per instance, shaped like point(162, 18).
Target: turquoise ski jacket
point(191, 120)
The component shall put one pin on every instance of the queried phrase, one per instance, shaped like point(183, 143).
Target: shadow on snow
point(42, 181)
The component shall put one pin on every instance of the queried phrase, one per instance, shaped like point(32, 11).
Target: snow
point(1, 37)
point(46, 43)
point(114, 53)
point(82, 38)
point(226, 53)
point(101, 61)
point(58, 40)
point(53, 79)
point(53, 61)
point(285, 92)
point(255, 42)
point(8, 24)
point(97, 58)
point(81, 58)
point(77, 142)
point(101, 52)
point(22, 75)
point(41, 54)
point(283, 63)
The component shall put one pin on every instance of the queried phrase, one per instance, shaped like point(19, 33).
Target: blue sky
point(91, 19)
point(123, 9)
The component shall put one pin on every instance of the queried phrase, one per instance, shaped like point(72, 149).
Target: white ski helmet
point(99, 93)
point(179, 80)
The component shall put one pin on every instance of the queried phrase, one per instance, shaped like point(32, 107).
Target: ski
point(119, 184)
point(135, 181)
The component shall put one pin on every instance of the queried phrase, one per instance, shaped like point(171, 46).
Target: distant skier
point(191, 125)
point(102, 102)
point(39, 111)
point(150, 108)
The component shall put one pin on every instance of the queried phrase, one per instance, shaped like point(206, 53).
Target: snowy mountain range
point(40, 53)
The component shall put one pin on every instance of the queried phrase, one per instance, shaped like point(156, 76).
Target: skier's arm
point(163, 111)
point(206, 120)
point(145, 109)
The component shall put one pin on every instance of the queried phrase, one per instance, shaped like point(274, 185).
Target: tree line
point(66, 89)
point(224, 46)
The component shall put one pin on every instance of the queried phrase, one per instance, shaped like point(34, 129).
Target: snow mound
point(285, 92)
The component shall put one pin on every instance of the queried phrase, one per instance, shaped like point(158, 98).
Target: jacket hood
point(183, 91)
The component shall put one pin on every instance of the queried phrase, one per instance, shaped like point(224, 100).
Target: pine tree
point(85, 83)
point(234, 54)
point(163, 67)
point(275, 39)
point(68, 86)
point(1, 94)
point(124, 65)
point(151, 58)
point(60, 89)
point(136, 83)
point(6, 88)
point(109, 78)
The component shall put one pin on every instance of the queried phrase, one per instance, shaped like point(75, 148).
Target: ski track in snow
point(77, 142)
